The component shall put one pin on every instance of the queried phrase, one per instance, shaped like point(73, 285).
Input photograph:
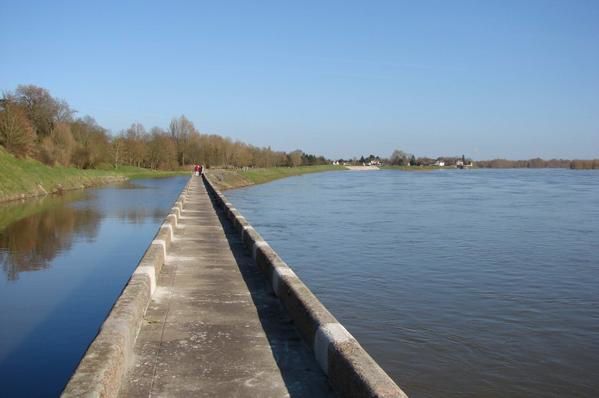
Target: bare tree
point(16, 132)
point(58, 147)
point(181, 130)
point(400, 158)
point(295, 158)
point(42, 109)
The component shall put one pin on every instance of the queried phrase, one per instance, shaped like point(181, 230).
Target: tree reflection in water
point(30, 244)
point(138, 215)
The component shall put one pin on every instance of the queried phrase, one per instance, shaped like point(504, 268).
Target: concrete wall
point(105, 362)
point(350, 370)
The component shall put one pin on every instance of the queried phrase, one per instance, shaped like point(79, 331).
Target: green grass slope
point(21, 178)
point(229, 179)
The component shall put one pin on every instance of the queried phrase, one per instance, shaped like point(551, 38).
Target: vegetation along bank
point(24, 178)
point(46, 147)
point(236, 178)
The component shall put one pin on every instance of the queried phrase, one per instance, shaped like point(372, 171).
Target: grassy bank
point(229, 179)
point(22, 178)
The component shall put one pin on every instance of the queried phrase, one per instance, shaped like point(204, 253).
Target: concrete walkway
point(214, 327)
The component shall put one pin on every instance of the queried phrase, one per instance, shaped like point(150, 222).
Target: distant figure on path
point(196, 169)
point(201, 170)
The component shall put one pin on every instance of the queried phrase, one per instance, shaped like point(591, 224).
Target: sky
point(511, 79)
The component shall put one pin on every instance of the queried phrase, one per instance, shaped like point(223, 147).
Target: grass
point(21, 178)
point(229, 179)
point(260, 176)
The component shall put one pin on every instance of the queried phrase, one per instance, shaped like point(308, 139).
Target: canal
point(64, 261)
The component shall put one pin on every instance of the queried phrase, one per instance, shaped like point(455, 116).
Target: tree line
point(402, 158)
point(35, 124)
point(538, 163)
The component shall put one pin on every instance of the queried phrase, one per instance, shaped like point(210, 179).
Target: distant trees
point(538, 163)
point(161, 150)
point(92, 146)
point(295, 158)
point(33, 123)
point(182, 130)
point(400, 158)
point(584, 164)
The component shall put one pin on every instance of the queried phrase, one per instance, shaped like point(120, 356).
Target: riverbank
point(414, 168)
point(236, 178)
point(26, 178)
point(362, 168)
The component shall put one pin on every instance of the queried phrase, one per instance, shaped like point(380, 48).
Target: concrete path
point(214, 327)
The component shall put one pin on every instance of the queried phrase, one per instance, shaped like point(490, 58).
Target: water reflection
point(30, 244)
point(137, 215)
point(33, 232)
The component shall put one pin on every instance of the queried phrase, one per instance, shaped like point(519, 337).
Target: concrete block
point(355, 374)
point(172, 220)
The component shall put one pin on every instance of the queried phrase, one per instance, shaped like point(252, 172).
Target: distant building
point(440, 163)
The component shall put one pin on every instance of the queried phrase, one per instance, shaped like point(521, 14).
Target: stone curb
point(102, 368)
point(350, 370)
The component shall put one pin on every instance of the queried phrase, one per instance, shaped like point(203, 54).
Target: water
point(63, 262)
point(462, 283)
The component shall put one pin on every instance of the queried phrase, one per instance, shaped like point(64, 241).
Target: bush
point(16, 133)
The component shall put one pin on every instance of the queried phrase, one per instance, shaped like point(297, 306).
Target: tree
point(399, 158)
point(16, 132)
point(92, 144)
point(181, 130)
point(295, 158)
point(135, 144)
point(43, 110)
point(118, 149)
point(58, 147)
point(161, 150)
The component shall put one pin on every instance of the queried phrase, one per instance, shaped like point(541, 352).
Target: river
point(460, 283)
point(64, 261)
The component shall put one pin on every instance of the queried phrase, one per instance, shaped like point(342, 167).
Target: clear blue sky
point(513, 79)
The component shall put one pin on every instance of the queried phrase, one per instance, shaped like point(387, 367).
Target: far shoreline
point(227, 179)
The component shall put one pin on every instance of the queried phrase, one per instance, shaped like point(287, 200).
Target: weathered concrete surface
point(214, 327)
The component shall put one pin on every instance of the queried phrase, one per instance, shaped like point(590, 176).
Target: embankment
point(350, 370)
point(26, 178)
point(225, 179)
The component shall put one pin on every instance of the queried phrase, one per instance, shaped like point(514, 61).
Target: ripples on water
point(460, 283)
point(64, 261)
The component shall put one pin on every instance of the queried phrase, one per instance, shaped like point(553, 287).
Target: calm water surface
point(63, 262)
point(477, 283)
